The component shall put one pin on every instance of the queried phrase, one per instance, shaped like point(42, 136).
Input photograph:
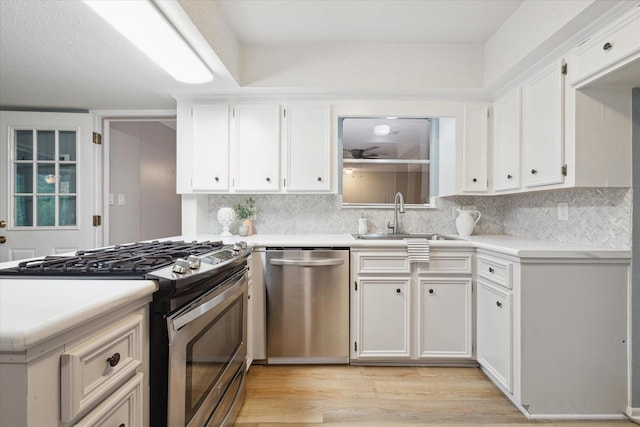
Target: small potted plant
point(245, 212)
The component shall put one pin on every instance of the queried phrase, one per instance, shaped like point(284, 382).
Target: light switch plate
point(112, 199)
point(563, 211)
point(121, 200)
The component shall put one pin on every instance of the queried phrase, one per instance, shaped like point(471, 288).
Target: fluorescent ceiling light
point(382, 130)
point(144, 26)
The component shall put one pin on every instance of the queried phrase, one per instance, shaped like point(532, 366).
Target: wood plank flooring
point(297, 396)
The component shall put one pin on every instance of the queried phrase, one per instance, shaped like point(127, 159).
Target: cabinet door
point(494, 332)
point(383, 318)
point(210, 148)
point(307, 148)
point(474, 162)
point(506, 142)
point(543, 127)
point(445, 317)
point(256, 136)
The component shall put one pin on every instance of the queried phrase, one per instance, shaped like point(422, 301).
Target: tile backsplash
point(598, 216)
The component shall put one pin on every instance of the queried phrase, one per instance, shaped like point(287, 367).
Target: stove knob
point(181, 266)
point(194, 262)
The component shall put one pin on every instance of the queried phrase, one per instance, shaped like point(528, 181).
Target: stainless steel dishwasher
point(307, 305)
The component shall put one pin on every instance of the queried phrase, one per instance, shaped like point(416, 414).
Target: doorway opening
point(140, 185)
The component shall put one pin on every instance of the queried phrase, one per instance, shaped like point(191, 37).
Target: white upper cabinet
point(307, 148)
point(256, 139)
point(542, 127)
point(506, 142)
point(474, 161)
point(210, 154)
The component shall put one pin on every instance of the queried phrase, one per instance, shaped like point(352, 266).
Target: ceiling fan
point(361, 153)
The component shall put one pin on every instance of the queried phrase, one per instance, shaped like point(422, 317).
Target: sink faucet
point(398, 205)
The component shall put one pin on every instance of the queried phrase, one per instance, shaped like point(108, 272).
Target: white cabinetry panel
point(210, 154)
point(543, 127)
point(445, 317)
point(307, 147)
point(256, 136)
point(474, 162)
point(506, 142)
point(495, 336)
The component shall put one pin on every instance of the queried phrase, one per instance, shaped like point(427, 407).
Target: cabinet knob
point(3, 223)
point(491, 270)
point(268, 179)
point(499, 304)
point(3, 239)
point(398, 290)
point(533, 171)
point(113, 360)
point(509, 176)
point(475, 180)
point(319, 178)
point(430, 291)
point(217, 179)
point(607, 46)
point(122, 425)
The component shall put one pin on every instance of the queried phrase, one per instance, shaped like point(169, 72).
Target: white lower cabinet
point(445, 317)
point(95, 374)
point(403, 312)
point(494, 332)
point(384, 321)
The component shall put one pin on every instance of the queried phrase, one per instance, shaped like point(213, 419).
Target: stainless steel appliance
point(307, 305)
point(198, 321)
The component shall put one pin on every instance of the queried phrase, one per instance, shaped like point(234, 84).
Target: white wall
point(142, 167)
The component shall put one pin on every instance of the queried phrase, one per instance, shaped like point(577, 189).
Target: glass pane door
point(44, 164)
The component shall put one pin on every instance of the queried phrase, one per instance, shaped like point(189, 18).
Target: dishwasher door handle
point(321, 262)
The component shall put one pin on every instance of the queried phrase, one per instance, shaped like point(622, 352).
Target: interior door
point(47, 183)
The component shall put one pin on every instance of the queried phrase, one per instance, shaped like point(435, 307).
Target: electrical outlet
point(563, 211)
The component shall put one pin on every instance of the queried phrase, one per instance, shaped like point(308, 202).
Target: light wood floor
point(296, 396)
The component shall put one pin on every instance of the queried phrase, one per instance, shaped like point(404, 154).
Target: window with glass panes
point(44, 178)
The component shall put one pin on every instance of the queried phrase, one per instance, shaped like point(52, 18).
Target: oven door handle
point(322, 262)
point(202, 308)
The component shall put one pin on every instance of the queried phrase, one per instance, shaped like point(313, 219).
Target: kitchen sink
point(400, 236)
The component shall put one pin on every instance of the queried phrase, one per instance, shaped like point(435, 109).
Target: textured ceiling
point(59, 54)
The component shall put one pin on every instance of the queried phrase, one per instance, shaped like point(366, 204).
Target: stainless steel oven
point(207, 353)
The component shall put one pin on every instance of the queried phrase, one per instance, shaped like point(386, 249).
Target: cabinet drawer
point(496, 270)
point(122, 408)
point(92, 369)
point(616, 43)
point(390, 262)
point(446, 262)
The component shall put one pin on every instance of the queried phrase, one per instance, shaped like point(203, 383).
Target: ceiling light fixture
point(142, 24)
point(382, 130)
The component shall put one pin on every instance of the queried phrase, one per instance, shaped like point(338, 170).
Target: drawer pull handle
point(398, 290)
point(113, 360)
point(268, 179)
point(607, 46)
point(319, 179)
point(491, 270)
point(217, 179)
point(499, 304)
point(430, 291)
point(509, 176)
point(475, 180)
point(122, 425)
point(533, 171)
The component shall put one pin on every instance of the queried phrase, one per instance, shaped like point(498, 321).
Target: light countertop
point(32, 311)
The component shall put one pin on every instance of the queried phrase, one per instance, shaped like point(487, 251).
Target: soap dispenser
point(363, 227)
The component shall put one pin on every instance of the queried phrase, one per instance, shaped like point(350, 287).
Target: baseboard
point(633, 414)
point(576, 417)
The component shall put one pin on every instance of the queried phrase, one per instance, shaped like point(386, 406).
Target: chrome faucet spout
point(398, 206)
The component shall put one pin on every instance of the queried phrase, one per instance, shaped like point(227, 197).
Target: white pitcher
point(465, 221)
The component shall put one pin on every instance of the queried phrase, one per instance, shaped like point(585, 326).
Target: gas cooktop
point(129, 260)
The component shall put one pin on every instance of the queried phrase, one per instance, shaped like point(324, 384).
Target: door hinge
point(233, 112)
point(355, 285)
point(97, 138)
point(97, 220)
point(564, 68)
point(285, 181)
point(355, 346)
point(563, 170)
point(284, 113)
